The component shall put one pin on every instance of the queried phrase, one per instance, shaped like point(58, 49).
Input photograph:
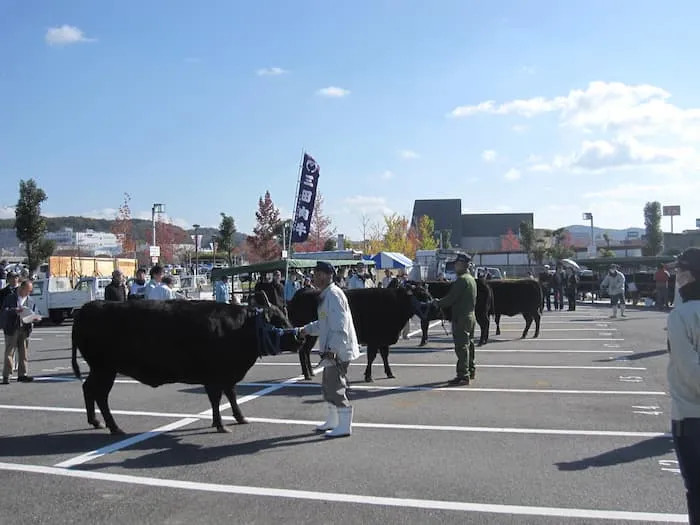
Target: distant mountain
point(141, 228)
point(577, 230)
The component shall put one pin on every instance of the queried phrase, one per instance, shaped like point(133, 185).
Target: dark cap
point(689, 260)
point(11, 274)
point(461, 257)
point(325, 267)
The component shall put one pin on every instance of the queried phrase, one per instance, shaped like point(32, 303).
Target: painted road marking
point(609, 345)
point(631, 379)
point(390, 426)
point(94, 454)
point(451, 365)
point(669, 465)
point(431, 325)
point(482, 349)
point(647, 412)
point(357, 386)
point(359, 499)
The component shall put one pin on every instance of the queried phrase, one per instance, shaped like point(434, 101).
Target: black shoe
point(472, 374)
point(368, 379)
point(458, 381)
point(25, 379)
point(5, 380)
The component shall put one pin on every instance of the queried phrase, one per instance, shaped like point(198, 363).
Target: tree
point(606, 238)
point(606, 252)
point(539, 252)
point(329, 245)
point(122, 227)
point(527, 239)
point(225, 238)
point(262, 244)
point(398, 237)
point(29, 224)
point(425, 229)
point(445, 236)
point(561, 247)
point(366, 223)
point(654, 235)
point(319, 229)
point(167, 236)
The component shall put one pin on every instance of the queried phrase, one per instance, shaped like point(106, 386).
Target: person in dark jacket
point(558, 282)
point(17, 309)
point(116, 290)
point(545, 280)
point(571, 288)
point(12, 284)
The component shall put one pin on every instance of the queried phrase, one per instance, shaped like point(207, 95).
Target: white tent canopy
point(392, 260)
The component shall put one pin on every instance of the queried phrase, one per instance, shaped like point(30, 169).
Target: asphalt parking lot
point(568, 428)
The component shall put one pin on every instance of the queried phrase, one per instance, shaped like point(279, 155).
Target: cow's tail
point(74, 345)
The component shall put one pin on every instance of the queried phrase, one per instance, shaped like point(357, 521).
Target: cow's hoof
point(307, 377)
point(116, 431)
point(242, 421)
point(223, 430)
point(390, 376)
point(368, 379)
point(535, 336)
point(422, 343)
point(96, 424)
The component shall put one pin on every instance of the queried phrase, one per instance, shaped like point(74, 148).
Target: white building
point(88, 241)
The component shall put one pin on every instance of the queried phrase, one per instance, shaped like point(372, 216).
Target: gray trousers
point(17, 341)
point(334, 383)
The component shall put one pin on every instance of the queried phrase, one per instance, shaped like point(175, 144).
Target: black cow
point(484, 305)
point(378, 314)
point(523, 296)
point(194, 342)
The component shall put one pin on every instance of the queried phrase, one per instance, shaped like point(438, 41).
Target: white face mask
point(683, 277)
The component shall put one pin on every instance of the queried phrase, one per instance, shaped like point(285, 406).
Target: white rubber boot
point(622, 309)
point(614, 308)
point(344, 427)
point(331, 419)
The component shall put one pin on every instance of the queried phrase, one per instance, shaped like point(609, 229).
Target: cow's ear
point(409, 291)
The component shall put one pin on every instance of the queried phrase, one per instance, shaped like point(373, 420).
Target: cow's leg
point(528, 323)
point(230, 393)
point(538, 318)
point(384, 350)
point(305, 360)
point(424, 325)
point(371, 354)
point(498, 323)
point(89, 397)
point(483, 321)
point(101, 389)
point(214, 393)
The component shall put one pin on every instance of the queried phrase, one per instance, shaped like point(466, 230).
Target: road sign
point(670, 211)
point(154, 251)
point(697, 223)
point(587, 216)
point(154, 260)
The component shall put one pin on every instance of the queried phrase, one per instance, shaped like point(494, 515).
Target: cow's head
point(274, 332)
point(421, 301)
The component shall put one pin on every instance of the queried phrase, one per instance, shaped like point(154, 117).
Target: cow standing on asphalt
point(198, 342)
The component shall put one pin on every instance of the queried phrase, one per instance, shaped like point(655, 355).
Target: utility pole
point(588, 216)
point(156, 209)
point(196, 252)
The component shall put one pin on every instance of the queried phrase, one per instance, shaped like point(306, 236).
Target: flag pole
point(294, 211)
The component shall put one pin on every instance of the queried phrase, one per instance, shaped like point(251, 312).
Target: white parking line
point(451, 365)
point(359, 499)
point(358, 386)
point(94, 454)
point(482, 349)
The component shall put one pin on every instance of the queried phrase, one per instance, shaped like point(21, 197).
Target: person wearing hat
point(615, 283)
point(12, 284)
point(462, 299)
point(683, 327)
point(546, 282)
point(116, 290)
point(338, 346)
point(358, 279)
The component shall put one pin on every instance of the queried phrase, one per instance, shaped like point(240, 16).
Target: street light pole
point(588, 216)
point(196, 251)
point(157, 208)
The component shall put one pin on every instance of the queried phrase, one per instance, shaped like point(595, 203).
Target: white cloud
point(512, 175)
point(333, 92)
point(270, 71)
point(488, 155)
point(387, 174)
point(408, 154)
point(601, 154)
point(7, 212)
point(368, 204)
point(64, 35)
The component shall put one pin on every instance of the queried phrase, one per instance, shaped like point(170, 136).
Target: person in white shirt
point(167, 284)
point(615, 283)
point(386, 280)
point(338, 346)
point(358, 278)
point(155, 290)
point(683, 326)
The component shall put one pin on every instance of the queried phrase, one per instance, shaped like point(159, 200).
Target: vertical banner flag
point(306, 198)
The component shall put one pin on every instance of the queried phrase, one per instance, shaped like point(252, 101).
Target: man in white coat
point(615, 283)
point(338, 346)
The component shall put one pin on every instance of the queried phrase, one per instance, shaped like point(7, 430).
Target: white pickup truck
point(56, 299)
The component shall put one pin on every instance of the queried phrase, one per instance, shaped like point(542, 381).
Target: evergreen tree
point(30, 225)
point(654, 235)
point(225, 238)
point(527, 239)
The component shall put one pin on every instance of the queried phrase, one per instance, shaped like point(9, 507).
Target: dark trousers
point(686, 439)
point(558, 299)
point(546, 297)
point(571, 297)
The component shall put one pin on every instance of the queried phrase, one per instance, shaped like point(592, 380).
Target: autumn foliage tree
point(167, 236)
point(262, 245)
point(122, 227)
point(425, 230)
point(320, 230)
point(398, 236)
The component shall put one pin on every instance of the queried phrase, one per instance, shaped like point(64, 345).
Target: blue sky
point(551, 107)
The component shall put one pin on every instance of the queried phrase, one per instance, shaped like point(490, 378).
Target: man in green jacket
point(462, 299)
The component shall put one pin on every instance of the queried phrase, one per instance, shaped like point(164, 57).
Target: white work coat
point(334, 328)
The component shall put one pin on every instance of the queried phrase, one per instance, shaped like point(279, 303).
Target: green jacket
point(461, 297)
